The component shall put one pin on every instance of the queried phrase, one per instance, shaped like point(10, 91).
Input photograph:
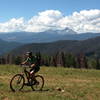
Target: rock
point(62, 90)
point(58, 89)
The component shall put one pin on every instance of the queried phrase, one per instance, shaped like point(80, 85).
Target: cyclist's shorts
point(35, 69)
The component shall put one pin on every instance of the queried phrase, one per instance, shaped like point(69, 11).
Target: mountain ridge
point(46, 36)
point(89, 46)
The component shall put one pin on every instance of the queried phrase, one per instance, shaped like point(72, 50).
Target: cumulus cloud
point(44, 21)
point(83, 21)
point(12, 25)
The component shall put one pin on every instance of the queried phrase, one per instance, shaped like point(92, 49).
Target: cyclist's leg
point(33, 72)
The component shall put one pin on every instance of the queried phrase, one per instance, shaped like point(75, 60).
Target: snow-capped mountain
point(46, 36)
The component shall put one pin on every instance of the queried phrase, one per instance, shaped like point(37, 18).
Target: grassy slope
point(79, 84)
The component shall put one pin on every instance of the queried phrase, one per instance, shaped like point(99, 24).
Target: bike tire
point(11, 82)
point(42, 84)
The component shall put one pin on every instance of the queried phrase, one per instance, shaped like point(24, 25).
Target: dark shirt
point(31, 60)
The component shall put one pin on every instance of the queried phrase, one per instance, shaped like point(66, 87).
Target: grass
point(78, 84)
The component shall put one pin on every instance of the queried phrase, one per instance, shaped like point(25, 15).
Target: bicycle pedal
point(36, 83)
point(28, 84)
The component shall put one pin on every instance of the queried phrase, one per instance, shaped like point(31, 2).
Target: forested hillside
point(88, 47)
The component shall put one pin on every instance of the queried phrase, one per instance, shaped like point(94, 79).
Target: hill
point(88, 47)
point(7, 46)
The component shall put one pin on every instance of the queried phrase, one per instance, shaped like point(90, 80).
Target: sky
point(40, 15)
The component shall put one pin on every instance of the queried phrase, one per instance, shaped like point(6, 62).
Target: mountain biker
point(32, 62)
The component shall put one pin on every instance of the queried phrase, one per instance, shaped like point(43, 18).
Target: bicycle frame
point(27, 74)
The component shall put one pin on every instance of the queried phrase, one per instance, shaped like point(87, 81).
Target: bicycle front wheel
point(17, 82)
point(38, 83)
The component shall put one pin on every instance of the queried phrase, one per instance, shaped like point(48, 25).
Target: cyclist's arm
point(25, 62)
point(33, 65)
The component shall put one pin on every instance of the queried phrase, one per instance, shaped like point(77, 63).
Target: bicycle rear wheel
point(38, 83)
point(17, 82)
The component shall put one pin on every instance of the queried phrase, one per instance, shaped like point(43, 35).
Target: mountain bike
point(18, 81)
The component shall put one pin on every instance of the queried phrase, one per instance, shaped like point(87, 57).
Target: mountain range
point(49, 42)
point(89, 47)
point(46, 36)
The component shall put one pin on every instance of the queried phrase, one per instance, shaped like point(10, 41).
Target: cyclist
point(32, 62)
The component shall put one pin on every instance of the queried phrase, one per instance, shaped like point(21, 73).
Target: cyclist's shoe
point(36, 83)
point(26, 84)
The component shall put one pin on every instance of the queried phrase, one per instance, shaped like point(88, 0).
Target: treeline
point(59, 59)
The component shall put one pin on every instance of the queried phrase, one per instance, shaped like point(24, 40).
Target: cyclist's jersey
point(31, 60)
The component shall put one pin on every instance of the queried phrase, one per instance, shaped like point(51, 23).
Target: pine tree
point(18, 60)
point(97, 63)
point(38, 57)
point(82, 61)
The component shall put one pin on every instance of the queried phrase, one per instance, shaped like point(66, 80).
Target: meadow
point(74, 84)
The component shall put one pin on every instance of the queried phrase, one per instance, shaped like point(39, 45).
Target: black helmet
point(29, 53)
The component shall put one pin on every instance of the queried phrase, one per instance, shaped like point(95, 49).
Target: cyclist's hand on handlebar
point(22, 64)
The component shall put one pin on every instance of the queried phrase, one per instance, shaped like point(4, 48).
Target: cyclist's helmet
point(29, 53)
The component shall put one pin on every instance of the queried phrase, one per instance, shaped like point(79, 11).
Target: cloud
point(44, 20)
point(83, 21)
point(13, 25)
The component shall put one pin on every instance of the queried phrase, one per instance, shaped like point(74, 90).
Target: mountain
point(88, 47)
point(7, 46)
point(47, 36)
